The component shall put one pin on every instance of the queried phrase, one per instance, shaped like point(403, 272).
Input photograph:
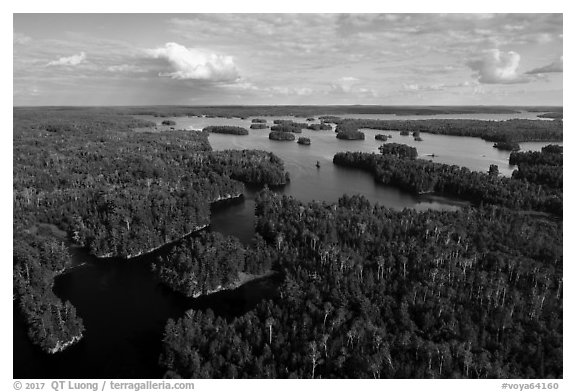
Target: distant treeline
point(311, 111)
point(553, 115)
point(516, 130)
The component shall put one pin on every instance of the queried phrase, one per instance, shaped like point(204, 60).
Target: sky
point(287, 59)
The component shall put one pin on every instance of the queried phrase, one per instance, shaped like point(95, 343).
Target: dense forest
point(211, 262)
point(517, 130)
point(53, 324)
point(114, 191)
point(375, 293)
point(541, 168)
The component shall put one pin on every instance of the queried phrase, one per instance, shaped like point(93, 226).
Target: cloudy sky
point(211, 59)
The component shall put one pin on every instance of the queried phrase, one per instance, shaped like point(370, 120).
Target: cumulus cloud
point(345, 84)
point(556, 66)
point(195, 64)
point(69, 61)
point(498, 67)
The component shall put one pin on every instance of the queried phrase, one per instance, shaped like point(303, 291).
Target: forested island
point(507, 146)
point(227, 129)
point(116, 192)
point(281, 136)
point(350, 134)
point(304, 141)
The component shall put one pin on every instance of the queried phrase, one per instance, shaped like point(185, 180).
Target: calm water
point(125, 308)
point(473, 153)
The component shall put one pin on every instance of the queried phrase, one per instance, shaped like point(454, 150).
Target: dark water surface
point(125, 308)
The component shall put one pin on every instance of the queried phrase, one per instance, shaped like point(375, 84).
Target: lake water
point(473, 153)
point(125, 308)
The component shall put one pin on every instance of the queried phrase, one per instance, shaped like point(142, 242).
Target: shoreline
point(61, 346)
point(195, 229)
point(243, 278)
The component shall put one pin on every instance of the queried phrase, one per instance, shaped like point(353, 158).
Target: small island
point(404, 133)
point(169, 122)
point(310, 119)
point(305, 141)
point(350, 135)
point(258, 126)
point(288, 126)
point(227, 129)
point(507, 146)
point(381, 137)
point(258, 121)
point(281, 136)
